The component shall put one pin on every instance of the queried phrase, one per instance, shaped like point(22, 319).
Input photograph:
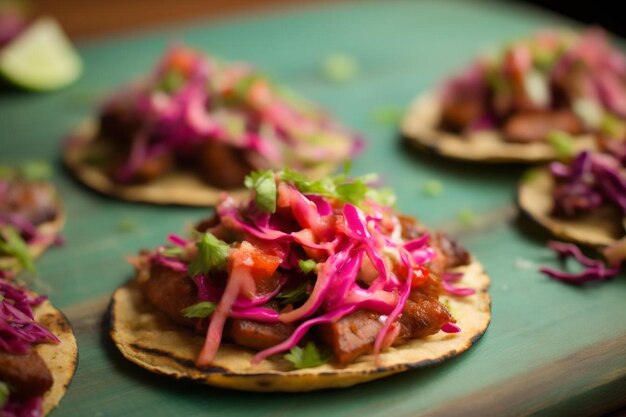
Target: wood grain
point(85, 19)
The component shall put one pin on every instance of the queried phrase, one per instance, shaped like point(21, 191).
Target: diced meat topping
point(26, 375)
point(535, 127)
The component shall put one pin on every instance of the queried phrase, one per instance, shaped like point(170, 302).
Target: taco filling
point(24, 375)
point(534, 87)
point(30, 216)
point(215, 120)
point(313, 271)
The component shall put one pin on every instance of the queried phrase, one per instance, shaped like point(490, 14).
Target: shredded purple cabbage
point(594, 269)
point(191, 98)
point(18, 328)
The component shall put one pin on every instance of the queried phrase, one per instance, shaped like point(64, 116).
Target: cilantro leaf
point(4, 394)
point(212, 254)
point(467, 217)
point(307, 266)
point(383, 196)
point(352, 192)
point(199, 310)
point(340, 67)
point(127, 224)
point(174, 251)
point(307, 357)
point(296, 295)
point(35, 170)
point(172, 81)
point(12, 244)
point(563, 144)
point(340, 187)
point(7, 172)
point(388, 116)
point(264, 186)
point(432, 188)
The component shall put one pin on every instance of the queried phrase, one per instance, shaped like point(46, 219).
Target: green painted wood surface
point(551, 349)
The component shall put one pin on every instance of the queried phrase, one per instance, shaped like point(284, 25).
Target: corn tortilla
point(61, 358)
point(599, 228)
point(148, 338)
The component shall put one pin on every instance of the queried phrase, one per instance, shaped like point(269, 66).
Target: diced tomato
point(260, 94)
point(420, 276)
point(181, 60)
point(518, 61)
point(262, 266)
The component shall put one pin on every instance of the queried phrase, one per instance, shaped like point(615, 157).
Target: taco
point(306, 285)
point(197, 126)
point(515, 105)
point(582, 201)
point(31, 215)
point(38, 353)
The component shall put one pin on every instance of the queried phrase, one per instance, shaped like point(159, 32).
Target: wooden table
point(551, 349)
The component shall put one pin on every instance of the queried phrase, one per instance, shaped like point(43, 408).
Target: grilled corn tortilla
point(148, 338)
point(421, 128)
point(598, 228)
point(83, 156)
point(60, 358)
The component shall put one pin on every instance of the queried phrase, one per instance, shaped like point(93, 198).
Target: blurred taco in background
point(305, 285)
point(582, 201)
point(197, 125)
point(31, 215)
point(517, 104)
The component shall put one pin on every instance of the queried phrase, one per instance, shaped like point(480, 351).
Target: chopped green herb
point(7, 172)
point(432, 188)
point(264, 186)
point(309, 357)
point(4, 394)
point(12, 244)
point(542, 57)
point(383, 196)
point(612, 126)
point(212, 254)
point(563, 144)
point(172, 81)
point(352, 192)
point(29, 170)
point(388, 115)
point(174, 251)
point(200, 310)
point(530, 175)
point(1, 298)
point(307, 266)
point(35, 170)
point(340, 187)
point(467, 217)
point(340, 68)
point(127, 224)
point(296, 295)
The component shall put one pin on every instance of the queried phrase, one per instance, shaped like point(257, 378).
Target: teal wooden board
point(550, 350)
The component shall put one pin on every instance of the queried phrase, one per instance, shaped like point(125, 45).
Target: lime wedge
point(40, 58)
